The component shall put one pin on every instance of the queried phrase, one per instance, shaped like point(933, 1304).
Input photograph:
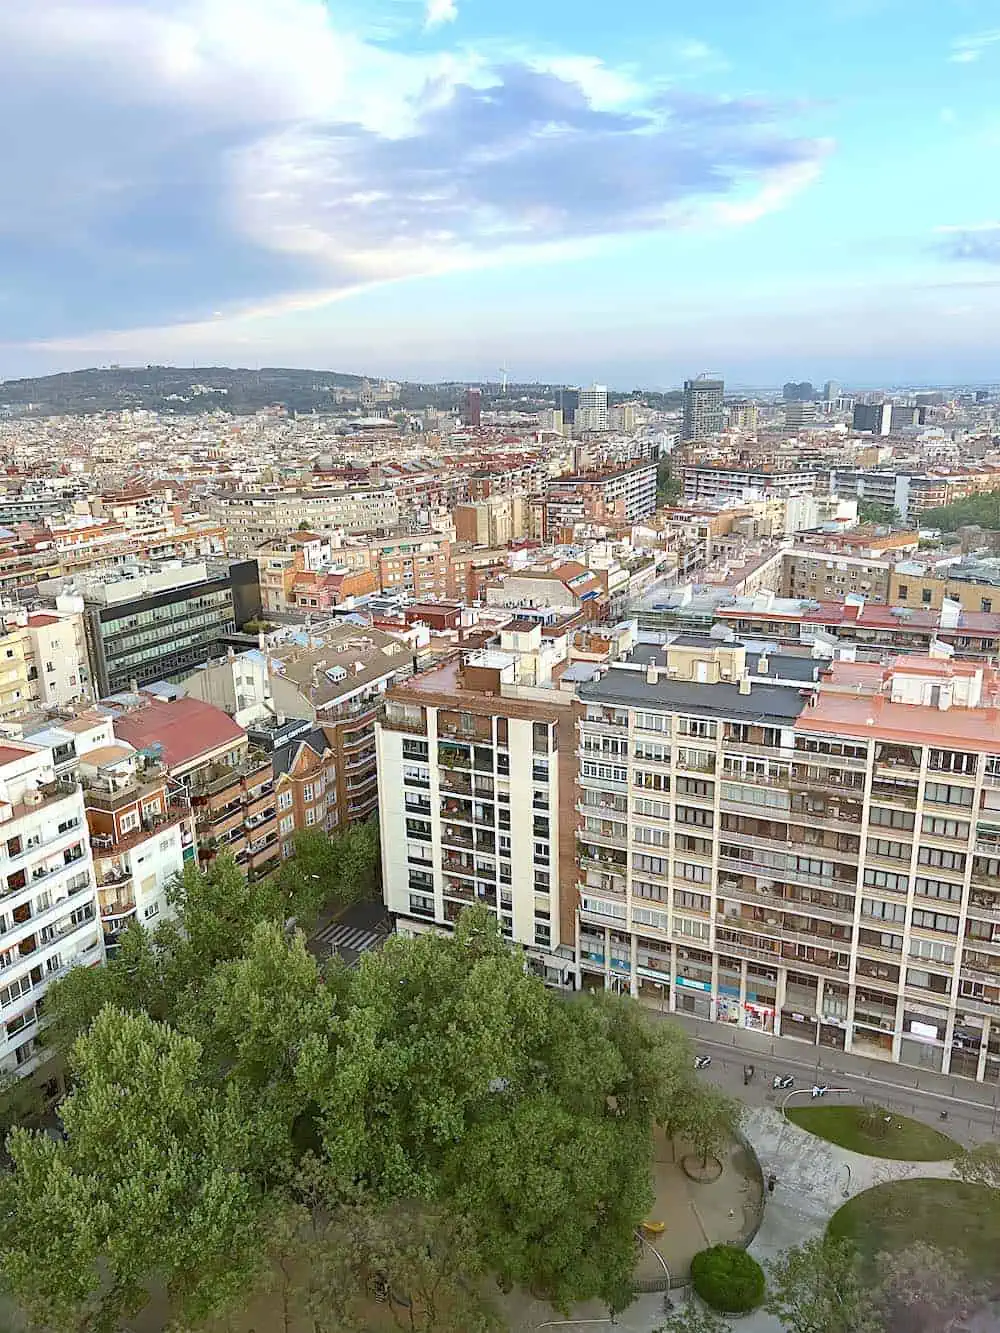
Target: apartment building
point(49, 919)
point(623, 494)
point(141, 834)
point(208, 756)
point(332, 682)
point(496, 521)
point(252, 518)
point(828, 575)
point(823, 864)
point(710, 483)
point(43, 660)
point(155, 623)
point(871, 631)
point(476, 790)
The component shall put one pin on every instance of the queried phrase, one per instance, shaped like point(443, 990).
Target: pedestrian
point(772, 1180)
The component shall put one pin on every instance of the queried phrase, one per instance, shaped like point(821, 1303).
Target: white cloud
point(180, 158)
point(440, 11)
point(966, 50)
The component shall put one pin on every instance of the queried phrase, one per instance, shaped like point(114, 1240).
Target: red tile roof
point(185, 728)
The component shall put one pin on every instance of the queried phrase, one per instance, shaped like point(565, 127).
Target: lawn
point(904, 1139)
point(948, 1214)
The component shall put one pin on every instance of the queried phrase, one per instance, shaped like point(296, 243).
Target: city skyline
point(420, 190)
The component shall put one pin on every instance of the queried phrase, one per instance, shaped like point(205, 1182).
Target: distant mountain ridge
point(174, 388)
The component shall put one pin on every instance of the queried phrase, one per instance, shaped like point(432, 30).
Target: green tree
point(669, 485)
point(870, 511)
point(817, 1287)
point(329, 873)
point(695, 1318)
point(153, 1183)
point(975, 511)
point(265, 1022)
point(708, 1119)
point(217, 909)
point(461, 1080)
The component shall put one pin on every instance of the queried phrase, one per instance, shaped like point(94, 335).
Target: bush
point(728, 1279)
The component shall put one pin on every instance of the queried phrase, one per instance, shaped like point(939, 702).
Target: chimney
point(652, 675)
point(744, 684)
point(762, 665)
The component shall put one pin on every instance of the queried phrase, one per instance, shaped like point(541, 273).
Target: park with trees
point(244, 1118)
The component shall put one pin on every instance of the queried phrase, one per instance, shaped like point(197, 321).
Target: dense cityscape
point(693, 695)
point(499, 666)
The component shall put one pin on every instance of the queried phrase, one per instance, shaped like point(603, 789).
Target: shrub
point(728, 1279)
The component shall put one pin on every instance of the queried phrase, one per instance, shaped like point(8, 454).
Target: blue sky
point(629, 192)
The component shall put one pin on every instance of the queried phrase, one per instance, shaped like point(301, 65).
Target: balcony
point(826, 780)
point(103, 794)
point(454, 835)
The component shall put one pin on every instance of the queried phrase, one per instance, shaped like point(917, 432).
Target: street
point(972, 1112)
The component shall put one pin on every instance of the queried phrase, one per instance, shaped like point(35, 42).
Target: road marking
point(339, 936)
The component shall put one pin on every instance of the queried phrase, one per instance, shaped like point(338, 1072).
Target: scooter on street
point(702, 1061)
point(783, 1081)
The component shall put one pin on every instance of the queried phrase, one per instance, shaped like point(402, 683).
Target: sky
point(578, 190)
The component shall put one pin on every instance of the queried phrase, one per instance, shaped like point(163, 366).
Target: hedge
point(728, 1279)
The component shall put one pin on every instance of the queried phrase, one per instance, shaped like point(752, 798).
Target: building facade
point(156, 624)
point(477, 784)
point(43, 660)
point(704, 408)
point(49, 921)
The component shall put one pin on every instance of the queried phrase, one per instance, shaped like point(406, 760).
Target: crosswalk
point(340, 938)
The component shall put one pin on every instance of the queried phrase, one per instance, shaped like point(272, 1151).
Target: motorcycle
point(702, 1061)
point(783, 1081)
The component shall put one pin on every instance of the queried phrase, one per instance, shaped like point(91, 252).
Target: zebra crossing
point(342, 938)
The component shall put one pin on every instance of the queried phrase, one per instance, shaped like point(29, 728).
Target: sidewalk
point(827, 1062)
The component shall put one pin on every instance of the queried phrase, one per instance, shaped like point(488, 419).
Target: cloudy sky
point(580, 190)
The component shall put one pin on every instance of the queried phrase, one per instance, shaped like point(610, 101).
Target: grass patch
point(948, 1214)
point(856, 1128)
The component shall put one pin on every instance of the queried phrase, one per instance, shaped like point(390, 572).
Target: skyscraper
point(472, 412)
point(592, 412)
point(569, 401)
point(704, 414)
point(831, 391)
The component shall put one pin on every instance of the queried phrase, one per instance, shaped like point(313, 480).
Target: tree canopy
point(976, 510)
point(243, 1114)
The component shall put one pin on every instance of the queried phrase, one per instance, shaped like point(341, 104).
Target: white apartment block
point(471, 787)
point(49, 918)
point(252, 518)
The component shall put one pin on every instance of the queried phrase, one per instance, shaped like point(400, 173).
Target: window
point(651, 809)
point(695, 902)
point(685, 814)
point(883, 911)
point(653, 837)
point(895, 851)
point(652, 752)
point(938, 888)
point(129, 821)
point(689, 870)
point(655, 865)
point(952, 761)
point(986, 604)
point(307, 792)
point(933, 950)
point(901, 819)
point(927, 596)
point(653, 722)
point(642, 888)
point(152, 910)
point(935, 921)
point(902, 591)
point(943, 793)
point(945, 828)
point(696, 787)
point(651, 781)
point(705, 728)
point(287, 824)
point(12, 993)
point(285, 800)
point(941, 859)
